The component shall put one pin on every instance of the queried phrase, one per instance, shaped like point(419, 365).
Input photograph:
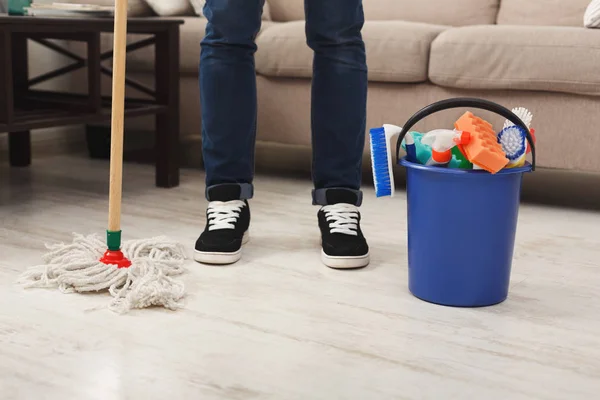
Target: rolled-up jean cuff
point(320, 196)
point(246, 190)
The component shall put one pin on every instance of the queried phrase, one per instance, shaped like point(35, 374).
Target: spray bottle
point(442, 141)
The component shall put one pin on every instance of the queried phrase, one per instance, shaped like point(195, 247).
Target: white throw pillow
point(592, 15)
point(171, 8)
point(198, 6)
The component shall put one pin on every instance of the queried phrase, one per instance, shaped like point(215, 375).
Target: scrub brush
point(513, 140)
point(381, 158)
point(524, 115)
point(527, 117)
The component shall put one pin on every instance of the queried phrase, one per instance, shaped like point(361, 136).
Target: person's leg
point(228, 92)
point(228, 101)
point(339, 101)
point(339, 94)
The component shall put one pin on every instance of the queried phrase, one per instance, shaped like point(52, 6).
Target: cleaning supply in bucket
point(439, 158)
point(483, 150)
point(415, 150)
point(442, 141)
point(532, 132)
point(411, 147)
point(524, 115)
point(381, 158)
point(459, 160)
point(514, 144)
point(527, 117)
point(424, 152)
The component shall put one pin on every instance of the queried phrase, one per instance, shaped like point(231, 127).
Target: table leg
point(19, 149)
point(20, 68)
point(167, 93)
point(6, 81)
point(19, 143)
point(94, 73)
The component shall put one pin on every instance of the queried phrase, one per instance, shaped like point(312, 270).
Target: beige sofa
point(532, 53)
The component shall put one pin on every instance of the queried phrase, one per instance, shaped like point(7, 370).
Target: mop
point(137, 274)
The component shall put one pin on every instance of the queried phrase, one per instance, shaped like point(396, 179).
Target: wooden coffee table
point(23, 108)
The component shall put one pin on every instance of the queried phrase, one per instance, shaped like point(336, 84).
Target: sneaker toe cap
point(207, 245)
point(345, 249)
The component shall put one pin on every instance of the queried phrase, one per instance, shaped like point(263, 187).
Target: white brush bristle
point(524, 114)
point(513, 142)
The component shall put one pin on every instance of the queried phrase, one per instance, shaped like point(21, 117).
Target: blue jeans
point(339, 93)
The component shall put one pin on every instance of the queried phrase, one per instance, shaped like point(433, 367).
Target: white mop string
point(75, 267)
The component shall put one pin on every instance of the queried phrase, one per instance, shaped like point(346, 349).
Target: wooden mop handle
point(118, 111)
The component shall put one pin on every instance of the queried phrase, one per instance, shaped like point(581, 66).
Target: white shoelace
point(224, 215)
point(342, 218)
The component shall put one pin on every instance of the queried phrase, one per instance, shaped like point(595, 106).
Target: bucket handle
point(466, 102)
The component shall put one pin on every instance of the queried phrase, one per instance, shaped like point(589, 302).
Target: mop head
point(75, 268)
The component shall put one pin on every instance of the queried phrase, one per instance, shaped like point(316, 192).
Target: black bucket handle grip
point(460, 102)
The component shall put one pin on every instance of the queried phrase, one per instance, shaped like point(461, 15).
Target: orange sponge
point(483, 149)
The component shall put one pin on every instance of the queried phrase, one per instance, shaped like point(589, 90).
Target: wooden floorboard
point(279, 325)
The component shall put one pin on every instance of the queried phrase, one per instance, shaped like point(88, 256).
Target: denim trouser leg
point(339, 94)
point(228, 91)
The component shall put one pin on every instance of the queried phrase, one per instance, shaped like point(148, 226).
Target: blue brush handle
point(471, 103)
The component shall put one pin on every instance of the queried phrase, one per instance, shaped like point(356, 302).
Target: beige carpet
point(279, 325)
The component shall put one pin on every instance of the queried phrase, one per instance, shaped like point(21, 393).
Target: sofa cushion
point(198, 6)
point(142, 60)
point(286, 10)
point(461, 12)
point(559, 59)
point(191, 33)
point(397, 51)
point(542, 12)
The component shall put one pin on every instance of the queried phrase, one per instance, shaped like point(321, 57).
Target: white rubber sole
point(345, 262)
point(215, 258)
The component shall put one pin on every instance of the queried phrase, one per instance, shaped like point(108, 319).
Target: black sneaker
point(343, 243)
point(227, 222)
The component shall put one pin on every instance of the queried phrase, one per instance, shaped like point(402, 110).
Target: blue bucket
point(461, 224)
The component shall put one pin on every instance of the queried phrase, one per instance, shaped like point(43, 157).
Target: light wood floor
point(279, 325)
